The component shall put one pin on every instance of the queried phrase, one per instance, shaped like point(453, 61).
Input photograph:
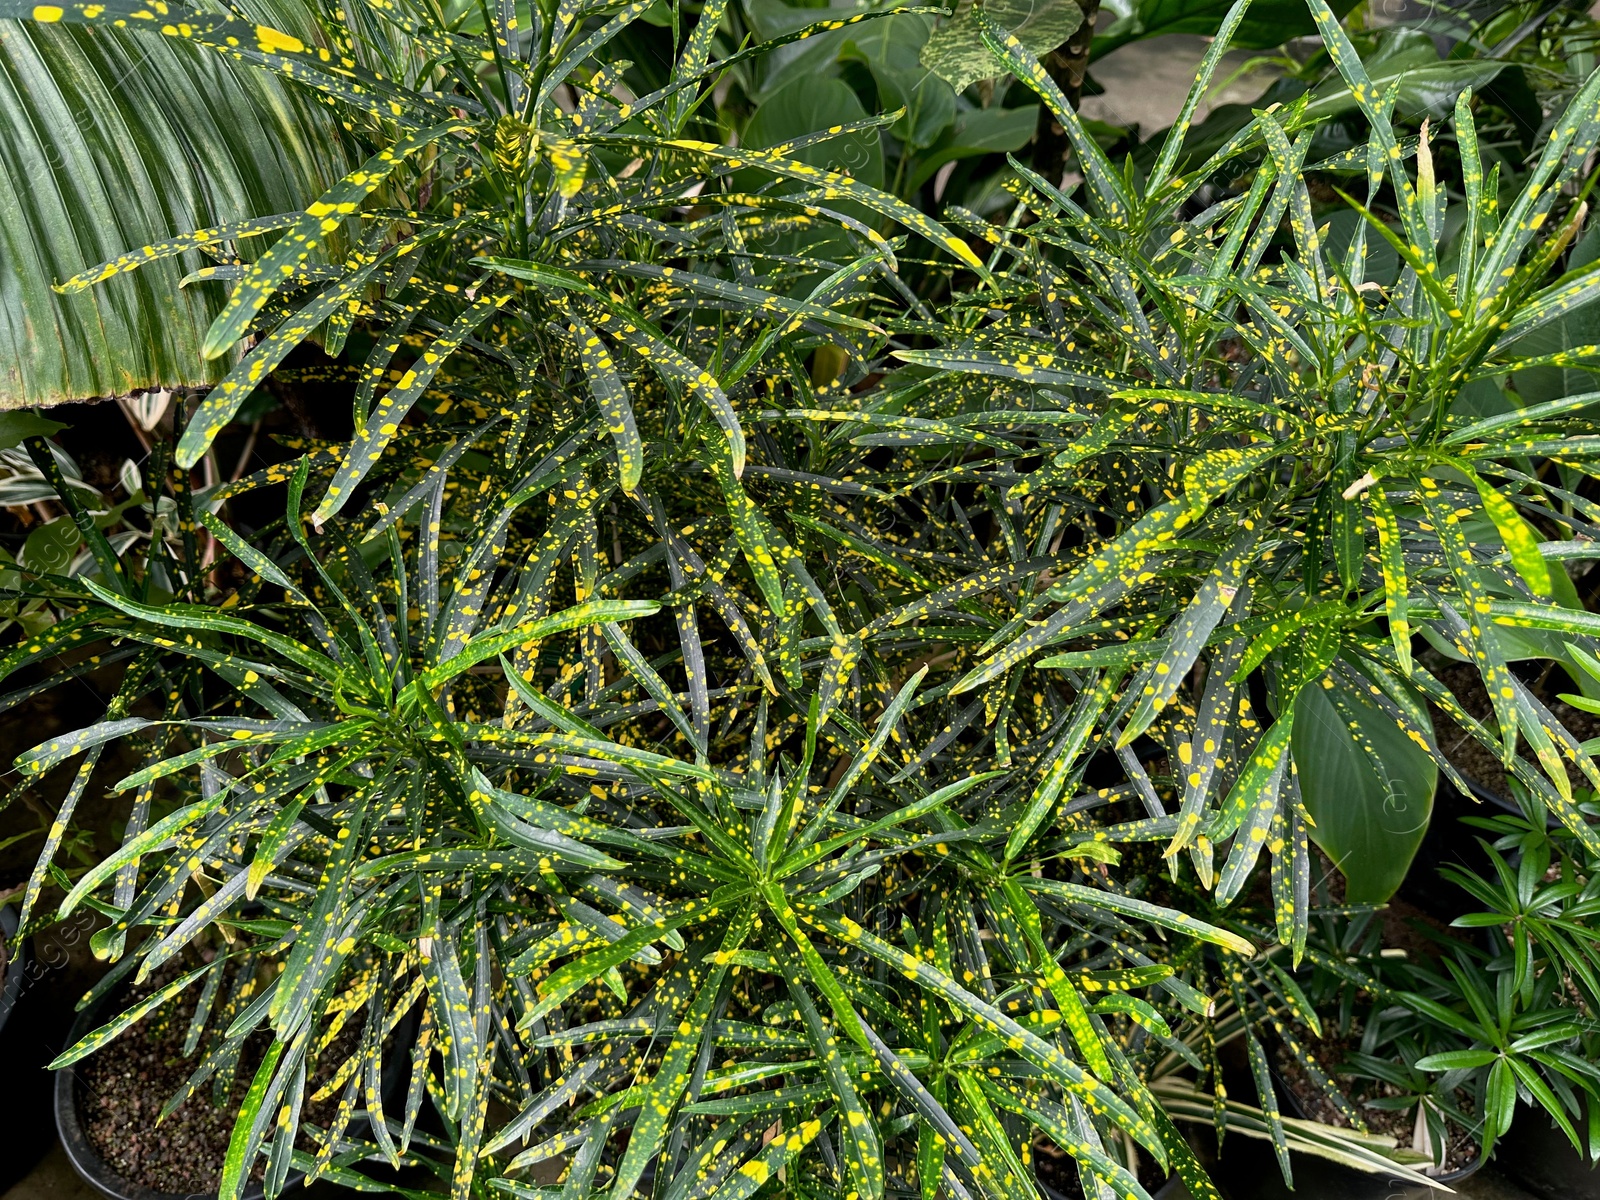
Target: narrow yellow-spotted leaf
point(336, 205)
point(1216, 472)
point(1522, 543)
point(1391, 561)
point(157, 251)
point(383, 423)
point(92, 1041)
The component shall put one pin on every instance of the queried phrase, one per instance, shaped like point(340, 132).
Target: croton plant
point(777, 727)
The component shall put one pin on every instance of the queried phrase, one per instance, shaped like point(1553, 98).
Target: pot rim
point(94, 1170)
point(1292, 1101)
point(1503, 803)
point(19, 957)
point(75, 1141)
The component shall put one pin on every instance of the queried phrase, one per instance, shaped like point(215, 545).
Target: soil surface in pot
point(124, 1085)
point(124, 1088)
point(1470, 756)
point(1400, 1125)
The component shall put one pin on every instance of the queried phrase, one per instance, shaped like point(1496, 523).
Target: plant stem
point(1067, 64)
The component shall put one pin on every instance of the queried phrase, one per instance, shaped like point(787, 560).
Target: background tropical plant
point(35, 474)
point(113, 141)
point(1498, 1015)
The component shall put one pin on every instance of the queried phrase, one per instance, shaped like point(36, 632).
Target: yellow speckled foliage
point(730, 724)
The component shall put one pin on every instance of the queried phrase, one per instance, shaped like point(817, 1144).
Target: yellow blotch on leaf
point(271, 39)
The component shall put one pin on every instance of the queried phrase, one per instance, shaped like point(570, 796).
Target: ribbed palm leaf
point(110, 141)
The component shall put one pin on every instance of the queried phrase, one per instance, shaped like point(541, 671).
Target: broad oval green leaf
point(1366, 784)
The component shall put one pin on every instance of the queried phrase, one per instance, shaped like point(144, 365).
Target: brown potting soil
point(1398, 1124)
point(124, 1088)
point(1402, 930)
point(124, 1085)
point(1470, 756)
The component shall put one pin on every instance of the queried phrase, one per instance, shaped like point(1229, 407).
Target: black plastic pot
point(1450, 841)
point(19, 962)
point(114, 1186)
point(1291, 1105)
point(1538, 1156)
point(33, 1019)
point(1247, 1169)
